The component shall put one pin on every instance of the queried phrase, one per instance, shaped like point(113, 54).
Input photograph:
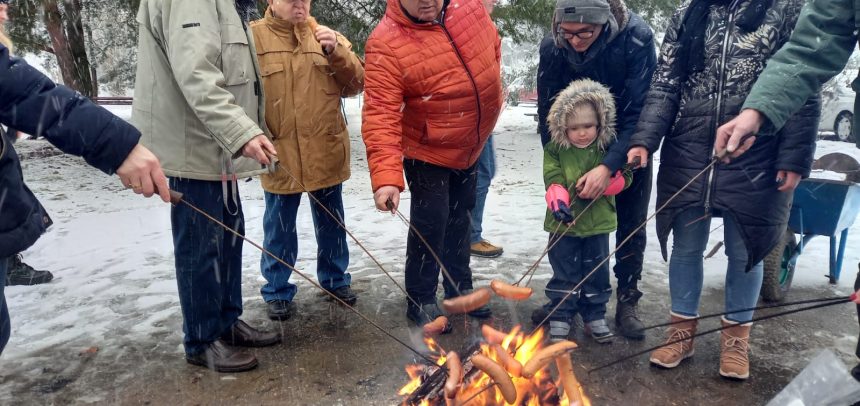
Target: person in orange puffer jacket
point(433, 93)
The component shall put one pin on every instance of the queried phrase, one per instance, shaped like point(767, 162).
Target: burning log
point(433, 380)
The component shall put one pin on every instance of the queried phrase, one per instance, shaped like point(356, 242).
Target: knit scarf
point(691, 48)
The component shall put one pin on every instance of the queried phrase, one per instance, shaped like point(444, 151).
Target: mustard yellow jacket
point(303, 87)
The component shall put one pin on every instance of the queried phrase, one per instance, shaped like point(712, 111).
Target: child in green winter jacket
point(582, 127)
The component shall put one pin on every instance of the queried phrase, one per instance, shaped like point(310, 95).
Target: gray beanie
point(582, 11)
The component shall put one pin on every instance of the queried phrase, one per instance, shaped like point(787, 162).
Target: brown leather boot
point(220, 357)
point(734, 350)
point(670, 355)
point(243, 335)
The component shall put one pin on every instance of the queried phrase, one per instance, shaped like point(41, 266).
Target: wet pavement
point(329, 357)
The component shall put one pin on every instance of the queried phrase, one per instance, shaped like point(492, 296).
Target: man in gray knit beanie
point(595, 13)
point(603, 41)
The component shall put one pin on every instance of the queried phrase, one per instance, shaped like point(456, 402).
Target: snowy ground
point(114, 287)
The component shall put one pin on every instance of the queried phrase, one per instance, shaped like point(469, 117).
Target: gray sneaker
point(599, 330)
point(558, 330)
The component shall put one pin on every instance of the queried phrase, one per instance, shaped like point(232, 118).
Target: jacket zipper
point(441, 23)
point(718, 108)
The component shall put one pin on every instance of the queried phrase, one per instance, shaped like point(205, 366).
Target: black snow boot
point(626, 318)
point(19, 273)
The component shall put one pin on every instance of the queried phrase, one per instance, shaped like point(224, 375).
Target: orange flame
point(539, 390)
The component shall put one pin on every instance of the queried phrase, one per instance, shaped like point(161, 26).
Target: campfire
point(519, 364)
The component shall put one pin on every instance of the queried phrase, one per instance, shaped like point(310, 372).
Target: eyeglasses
point(581, 34)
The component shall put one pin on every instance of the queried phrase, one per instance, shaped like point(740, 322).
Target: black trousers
point(442, 201)
point(632, 208)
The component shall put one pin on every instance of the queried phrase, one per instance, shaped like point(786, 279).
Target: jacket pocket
point(235, 55)
point(274, 82)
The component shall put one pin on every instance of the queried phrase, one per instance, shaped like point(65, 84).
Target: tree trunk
point(68, 44)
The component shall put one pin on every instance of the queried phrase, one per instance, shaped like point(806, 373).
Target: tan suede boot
point(734, 350)
point(670, 355)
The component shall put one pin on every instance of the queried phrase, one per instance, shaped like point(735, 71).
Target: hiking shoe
point(218, 356)
point(279, 309)
point(626, 318)
point(482, 312)
point(243, 335)
point(19, 273)
point(672, 353)
point(558, 330)
point(734, 350)
point(599, 331)
point(346, 294)
point(484, 249)
point(425, 314)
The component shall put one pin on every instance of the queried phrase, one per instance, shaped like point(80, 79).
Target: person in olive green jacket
point(306, 69)
point(198, 105)
point(581, 125)
point(824, 38)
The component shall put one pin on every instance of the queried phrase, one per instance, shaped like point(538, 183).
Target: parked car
point(837, 116)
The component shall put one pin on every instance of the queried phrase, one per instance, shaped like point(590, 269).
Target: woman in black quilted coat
point(712, 53)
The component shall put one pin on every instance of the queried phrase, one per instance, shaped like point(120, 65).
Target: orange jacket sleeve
point(382, 115)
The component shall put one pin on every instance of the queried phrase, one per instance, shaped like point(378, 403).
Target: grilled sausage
point(492, 335)
point(509, 291)
point(455, 374)
point(498, 374)
point(545, 355)
point(435, 327)
point(508, 361)
point(568, 379)
point(467, 303)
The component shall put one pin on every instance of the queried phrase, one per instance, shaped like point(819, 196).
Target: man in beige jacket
point(198, 104)
point(306, 69)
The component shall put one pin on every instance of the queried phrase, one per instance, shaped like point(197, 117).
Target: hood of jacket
point(584, 91)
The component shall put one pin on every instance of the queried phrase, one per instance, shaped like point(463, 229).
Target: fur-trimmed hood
point(579, 92)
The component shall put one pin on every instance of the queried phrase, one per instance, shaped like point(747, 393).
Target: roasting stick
point(635, 164)
point(756, 319)
point(176, 199)
point(343, 226)
point(390, 205)
point(838, 299)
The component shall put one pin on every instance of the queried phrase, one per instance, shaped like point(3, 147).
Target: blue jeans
point(280, 238)
point(485, 171)
point(208, 262)
point(690, 233)
point(5, 325)
point(571, 259)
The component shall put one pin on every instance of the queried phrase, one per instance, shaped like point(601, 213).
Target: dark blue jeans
point(208, 262)
point(5, 324)
point(279, 227)
point(632, 206)
point(439, 209)
point(485, 171)
point(572, 259)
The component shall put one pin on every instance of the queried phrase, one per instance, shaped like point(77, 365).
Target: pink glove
point(616, 185)
point(855, 297)
point(556, 194)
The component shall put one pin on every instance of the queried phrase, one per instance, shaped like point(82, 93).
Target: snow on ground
point(111, 251)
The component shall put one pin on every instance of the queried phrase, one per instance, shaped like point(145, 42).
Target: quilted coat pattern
point(432, 89)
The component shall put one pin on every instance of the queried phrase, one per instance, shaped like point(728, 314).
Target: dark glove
point(562, 214)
